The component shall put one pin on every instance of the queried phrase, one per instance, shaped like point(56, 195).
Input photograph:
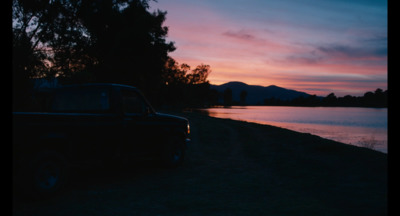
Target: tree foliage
point(112, 41)
point(243, 95)
point(199, 74)
point(228, 100)
point(186, 87)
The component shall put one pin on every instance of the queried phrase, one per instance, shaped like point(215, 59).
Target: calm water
point(355, 126)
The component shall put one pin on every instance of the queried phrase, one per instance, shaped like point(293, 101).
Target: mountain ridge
point(256, 94)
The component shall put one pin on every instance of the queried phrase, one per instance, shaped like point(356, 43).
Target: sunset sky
point(315, 46)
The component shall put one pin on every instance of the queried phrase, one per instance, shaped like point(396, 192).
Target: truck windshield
point(77, 101)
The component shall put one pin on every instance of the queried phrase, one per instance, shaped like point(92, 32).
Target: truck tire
point(49, 174)
point(174, 152)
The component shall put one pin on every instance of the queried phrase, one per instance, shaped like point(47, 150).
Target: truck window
point(132, 103)
point(82, 101)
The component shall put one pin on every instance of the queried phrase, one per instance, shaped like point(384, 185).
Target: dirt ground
point(233, 168)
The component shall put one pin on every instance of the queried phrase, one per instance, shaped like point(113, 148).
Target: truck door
point(85, 115)
point(138, 124)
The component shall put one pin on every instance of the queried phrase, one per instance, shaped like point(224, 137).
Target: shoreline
point(365, 142)
point(261, 105)
point(372, 137)
point(235, 168)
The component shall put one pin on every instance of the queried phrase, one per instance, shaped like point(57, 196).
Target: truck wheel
point(174, 153)
point(49, 173)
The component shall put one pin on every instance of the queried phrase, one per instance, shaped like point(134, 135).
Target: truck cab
point(76, 125)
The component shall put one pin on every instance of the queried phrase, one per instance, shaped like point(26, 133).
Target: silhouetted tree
point(27, 60)
point(243, 95)
point(380, 98)
point(23, 64)
point(273, 101)
point(228, 97)
point(175, 74)
point(93, 40)
point(197, 95)
point(330, 99)
point(129, 43)
point(375, 99)
point(54, 30)
point(198, 85)
point(199, 74)
point(213, 97)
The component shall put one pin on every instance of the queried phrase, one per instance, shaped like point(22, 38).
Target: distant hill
point(257, 94)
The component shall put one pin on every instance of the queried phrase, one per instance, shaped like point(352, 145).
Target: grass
point(235, 168)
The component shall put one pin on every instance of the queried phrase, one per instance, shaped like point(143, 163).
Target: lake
point(365, 127)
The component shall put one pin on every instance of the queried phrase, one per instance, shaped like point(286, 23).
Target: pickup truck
point(76, 125)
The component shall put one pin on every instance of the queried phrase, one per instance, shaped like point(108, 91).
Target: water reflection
point(355, 126)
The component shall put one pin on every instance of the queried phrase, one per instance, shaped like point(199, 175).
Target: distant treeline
point(369, 99)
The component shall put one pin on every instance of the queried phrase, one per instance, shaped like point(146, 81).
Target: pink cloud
point(274, 53)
